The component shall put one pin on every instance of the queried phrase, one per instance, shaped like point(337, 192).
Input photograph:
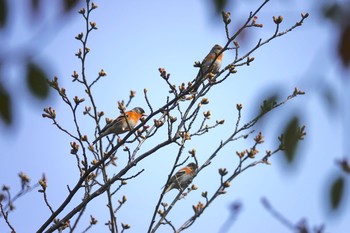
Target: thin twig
point(5, 215)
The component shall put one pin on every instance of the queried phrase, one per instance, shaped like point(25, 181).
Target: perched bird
point(123, 123)
point(182, 177)
point(209, 66)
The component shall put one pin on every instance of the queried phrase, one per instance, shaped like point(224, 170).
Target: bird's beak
point(144, 114)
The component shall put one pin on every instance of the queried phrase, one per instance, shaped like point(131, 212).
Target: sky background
point(134, 39)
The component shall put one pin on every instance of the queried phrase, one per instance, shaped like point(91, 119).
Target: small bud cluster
point(132, 94)
point(240, 154)
point(79, 36)
point(278, 19)
point(298, 92)
point(164, 74)
point(93, 220)
point(74, 148)
point(125, 226)
point(49, 113)
point(254, 24)
point(249, 60)
point(303, 16)
point(207, 115)
point(192, 152)
point(91, 177)
point(123, 200)
point(88, 109)
point(198, 208)
point(172, 119)
point(232, 69)
point(43, 184)
point(77, 100)
point(220, 122)
point(182, 87)
point(75, 76)
point(121, 106)
point(93, 25)
point(102, 73)
point(204, 101)
point(158, 123)
point(223, 171)
point(259, 139)
point(54, 84)
point(226, 17)
point(25, 180)
point(252, 152)
point(185, 135)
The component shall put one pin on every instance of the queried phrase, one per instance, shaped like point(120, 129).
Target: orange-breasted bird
point(210, 65)
point(182, 177)
point(123, 123)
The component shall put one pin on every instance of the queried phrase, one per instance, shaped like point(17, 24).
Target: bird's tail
point(197, 81)
point(98, 138)
point(170, 187)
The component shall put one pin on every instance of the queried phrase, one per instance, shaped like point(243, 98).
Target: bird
point(210, 65)
point(123, 123)
point(182, 177)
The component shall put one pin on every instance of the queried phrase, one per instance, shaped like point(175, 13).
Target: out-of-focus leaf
point(69, 4)
point(5, 106)
point(291, 139)
point(269, 103)
point(336, 192)
point(344, 46)
point(37, 81)
point(328, 95)
point(220, 5)
point(344, 165)
point(333, 12)
point(35, 4)
point(3, 12)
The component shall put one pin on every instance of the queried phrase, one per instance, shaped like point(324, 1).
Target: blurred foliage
point(339, 15)
point(36, 76)
point(5, 105)
point(291, 139)
point(37, 81)
point(337, 12)
point(68, 5)
point(344, 46)
point(336, 192)
point(219, 5)
point(3, 12)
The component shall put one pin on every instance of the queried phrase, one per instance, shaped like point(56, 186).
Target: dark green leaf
point(35, 4)
point(291, 139)
point(37, 81)
point(344, 165)
point(344, 46)
point(333, 12)
point(5, 106)
point(3, 12)
point(220, 5)
point(269, 103)
point(69, 4)
point(336, 192)
point(328, 95)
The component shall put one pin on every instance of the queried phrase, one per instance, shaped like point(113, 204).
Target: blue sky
point(134, 39)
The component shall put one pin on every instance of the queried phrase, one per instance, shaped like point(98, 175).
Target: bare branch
point(5, 215)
